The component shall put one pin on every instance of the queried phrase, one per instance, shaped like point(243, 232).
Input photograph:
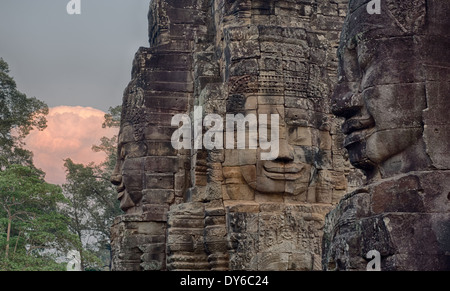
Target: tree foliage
point(39, 221)
point(18, 116)
point(33, 230)
point(93, 200)
point(112, 118)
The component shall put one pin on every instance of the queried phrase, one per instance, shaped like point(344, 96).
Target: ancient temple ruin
point(230, 209)
point(394, 95)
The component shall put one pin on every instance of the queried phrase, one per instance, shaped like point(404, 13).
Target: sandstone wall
point(151, 175)
point(226, 209)
point(394, 72)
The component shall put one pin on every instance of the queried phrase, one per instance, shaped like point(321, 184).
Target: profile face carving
point(381, 94)
point(128, 173)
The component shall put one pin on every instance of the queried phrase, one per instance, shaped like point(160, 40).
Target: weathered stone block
point(158, 196)
point(155, 212)
point(230, 57)
point(161, 164)
point(300, 262)
point(273, 261)
point(159, 181)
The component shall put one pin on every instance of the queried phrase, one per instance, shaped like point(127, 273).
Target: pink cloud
point(70, 133)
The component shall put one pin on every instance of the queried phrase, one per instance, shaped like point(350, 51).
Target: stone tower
point(393, 91)
point(227, 208)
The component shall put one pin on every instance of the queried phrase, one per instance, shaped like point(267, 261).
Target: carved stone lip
point(280, 171)
point(120, 188)
point(357, 124)
point(357, 129)
point(358, 136)
point(283, 168)
point(120, 195)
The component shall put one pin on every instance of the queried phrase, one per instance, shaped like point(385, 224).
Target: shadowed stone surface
point(228, 209)
point(393, 92)
point(150, 174)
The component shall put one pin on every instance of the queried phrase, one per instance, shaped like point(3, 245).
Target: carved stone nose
point(346, 100)
point(286, 152)
point(116, 179)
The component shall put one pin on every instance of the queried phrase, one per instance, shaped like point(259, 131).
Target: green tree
point(109, 145)
point(94, 203)
point(34, 232)
point(18, 116)
point(112, 118)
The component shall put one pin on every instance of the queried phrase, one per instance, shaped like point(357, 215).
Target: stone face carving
point(374, 75)
point(274, 210)
point(228, 209)
point(393, 91)
point(150, 174)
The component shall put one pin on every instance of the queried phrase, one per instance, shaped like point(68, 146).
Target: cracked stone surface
point(355, 94)
point(393, 92)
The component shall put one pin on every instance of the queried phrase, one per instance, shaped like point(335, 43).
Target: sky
point(71, 132)
point(79, 65)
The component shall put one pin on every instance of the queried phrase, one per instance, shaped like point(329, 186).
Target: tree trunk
point(17, 242)
point(8, 233)
point(81, 259)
